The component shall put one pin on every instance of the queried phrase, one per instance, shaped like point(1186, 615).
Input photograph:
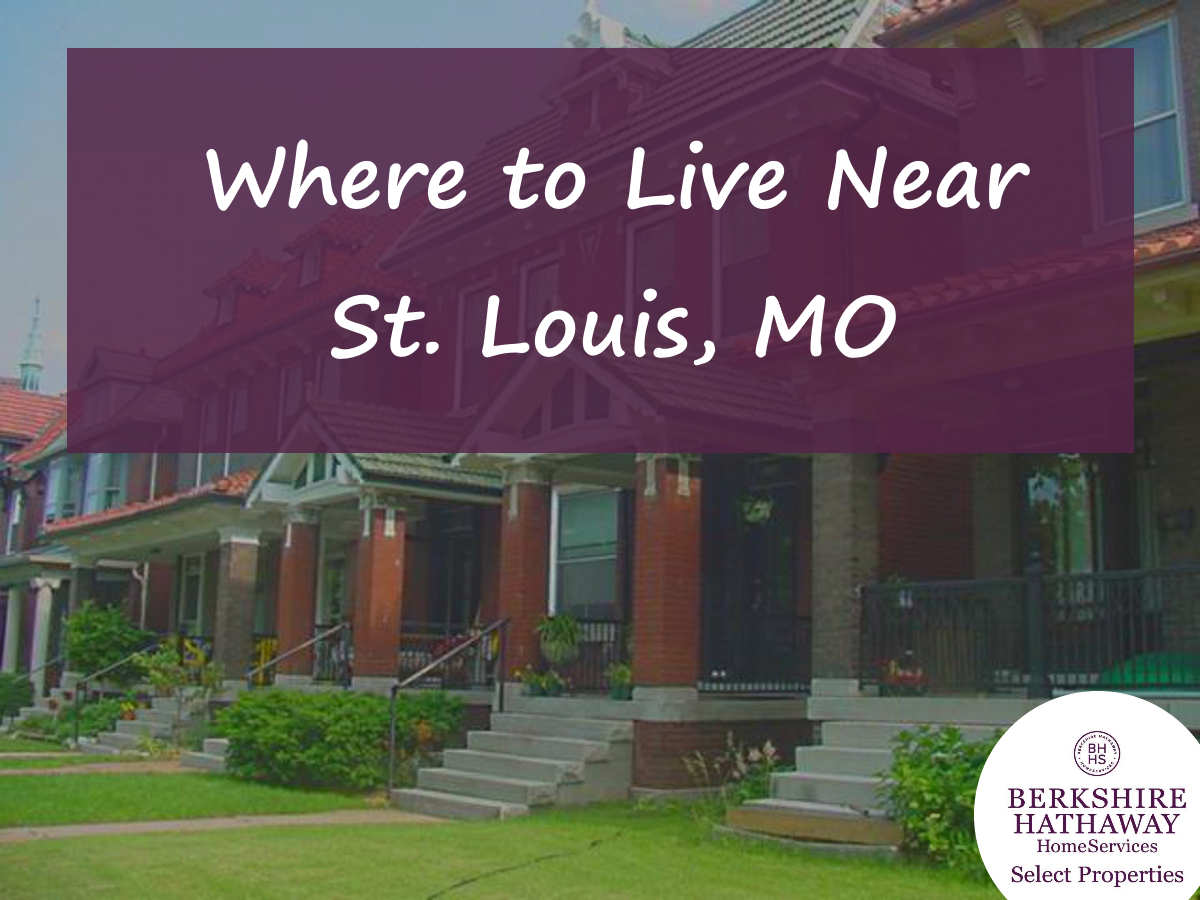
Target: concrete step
point(555, 771)
point(487, 787)
point(581, 707)
point(93, 749)
point(879, 735)
point(140, 728)
point(843, 761)
point(119, 740)
point(209, 762)
point(855, 791)
point(157, 716)
point(824, 823)
point(612, 730)
point(26, 711)
point(216, 746)
point(450, 806)
point(537, 747)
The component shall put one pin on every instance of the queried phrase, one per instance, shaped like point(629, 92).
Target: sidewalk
point(169, 767)
point(345, 817)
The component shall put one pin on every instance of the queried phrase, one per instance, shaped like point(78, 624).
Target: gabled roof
point(23, 414)
point(109, 362)
point(784, 23)
point(231, 487)
point(41, 443)
point(256, 272)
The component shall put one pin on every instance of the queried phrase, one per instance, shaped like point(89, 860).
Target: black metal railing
point(488, 643)
point(1034, 634)
point(423, 642)
point(602, 644)
point(770, 655)
point(81, 686)
point(333, 642)
point(333, 653)
point(50, 666)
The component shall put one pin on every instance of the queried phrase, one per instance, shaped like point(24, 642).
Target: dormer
point(253, 278)
point(330, 244)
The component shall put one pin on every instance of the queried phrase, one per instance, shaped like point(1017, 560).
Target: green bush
point(931, 793)
point(16, 691)
point(330, 740)
point(94, 717)
point(99, 636)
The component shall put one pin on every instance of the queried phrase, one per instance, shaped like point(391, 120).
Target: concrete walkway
point(179, 826)
point(160, 767)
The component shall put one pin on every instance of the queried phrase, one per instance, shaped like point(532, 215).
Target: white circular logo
point(1092, 791)
point(1097, 753)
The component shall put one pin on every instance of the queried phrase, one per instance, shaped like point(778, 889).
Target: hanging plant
point(560, 636)
point(757, 510)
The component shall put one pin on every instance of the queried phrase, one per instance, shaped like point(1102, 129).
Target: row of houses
point(755, 594)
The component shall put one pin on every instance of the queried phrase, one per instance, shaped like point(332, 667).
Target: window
point(64, 487)
point(310, 265)
point(225, 306)
point(1062, 504)
point(239, 410)
point(584, 579)
point(291, 387)
point(651, 262)
point(329, 377)
point(16, 505)
point(191, 595)
point(1159, 163)
point(472, 366)
point(208, 421)
point(539, 293)
point(743, 248)
point(104, 481)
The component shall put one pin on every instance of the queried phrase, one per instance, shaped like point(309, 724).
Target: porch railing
point(333, 641)
point(486, 642)
point(773, 657)
point(423, 643)
point(602, 643)
point(1035, 634)
point(332, 653)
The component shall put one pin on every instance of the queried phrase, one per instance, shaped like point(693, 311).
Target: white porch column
point(12, 629)
point(43, 611)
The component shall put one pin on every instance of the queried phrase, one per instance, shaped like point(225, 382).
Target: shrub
point(16, 692)
point(732, 777)
point(330, 740)
point(99, 636)
point(931, 793)
point(94, 717)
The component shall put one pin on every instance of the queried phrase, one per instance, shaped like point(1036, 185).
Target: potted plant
point(553, 684)
point(620, 681)
point(903, 677)
point(560, 637)
point(531, 682)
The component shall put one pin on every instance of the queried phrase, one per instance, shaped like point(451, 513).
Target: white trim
point(460, 335)
point(555, 258)
point(632, 227)
point(556, 493)
point(198, 625)
point(298, 365)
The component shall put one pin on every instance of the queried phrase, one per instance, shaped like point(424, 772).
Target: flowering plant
point(903, 678)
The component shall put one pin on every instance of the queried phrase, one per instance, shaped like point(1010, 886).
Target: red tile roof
point(41, 442)
point(923, 11)
point(341, 227)
point(255, 273)
point(25, 413)
point(366, 427)
point(290, 301)
point(236, 485)
point(1167, 244)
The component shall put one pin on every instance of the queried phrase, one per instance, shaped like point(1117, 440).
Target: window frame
point(633, 227)
point(476, 287)
point(526, 268)
point(198, 624)
point(297, 366)
point(719, 265)
point(1184, 208)
point(557, 493)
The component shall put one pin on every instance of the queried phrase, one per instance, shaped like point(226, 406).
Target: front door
point(457, 539)
point(754, 638)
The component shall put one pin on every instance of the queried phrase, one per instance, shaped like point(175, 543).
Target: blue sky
point(35, 35)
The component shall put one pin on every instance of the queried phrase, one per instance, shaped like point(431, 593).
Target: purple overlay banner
point(567, 250)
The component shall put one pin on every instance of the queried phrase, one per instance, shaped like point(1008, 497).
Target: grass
point(69, 799)
point(56, 762)
point(613, 852)
point(27, 745)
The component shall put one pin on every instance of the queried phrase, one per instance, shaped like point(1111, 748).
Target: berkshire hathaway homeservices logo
point(1097, 753)
point(1045, 823)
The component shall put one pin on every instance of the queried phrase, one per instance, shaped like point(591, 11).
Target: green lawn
point(577, 855)
point(67, 799)
point(63, 759)
point(25, 745)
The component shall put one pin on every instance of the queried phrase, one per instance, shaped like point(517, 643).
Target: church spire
point(31, 359)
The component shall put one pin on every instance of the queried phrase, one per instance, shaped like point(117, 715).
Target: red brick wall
point(296, 605)
point(524, 561)
point(378, 602)
point(667, 577)
point(925, 528)
point(659, 748)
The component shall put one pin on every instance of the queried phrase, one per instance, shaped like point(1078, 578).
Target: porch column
point(667, 572)
point(82, 589)
point(994, 524)
point(42, 619)
point(296, 610)
point(378, 602)
point(845, 556)
point(524, 561)
point(233, 629)
point(12, 629)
